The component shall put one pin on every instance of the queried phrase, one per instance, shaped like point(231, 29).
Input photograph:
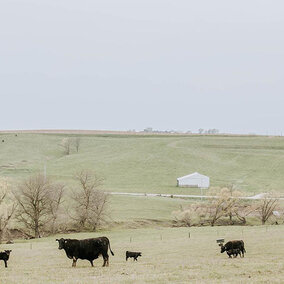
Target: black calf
point(234, 252)
point(133, 254)
point(4, 255)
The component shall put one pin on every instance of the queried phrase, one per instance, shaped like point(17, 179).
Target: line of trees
point(225, 204)
point(70, 143)
point(38, 205)
point(208, 131)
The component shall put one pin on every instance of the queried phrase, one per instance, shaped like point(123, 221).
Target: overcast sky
point(132, 64)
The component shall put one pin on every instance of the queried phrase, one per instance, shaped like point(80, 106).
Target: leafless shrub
point(225, 202)
point(90, 208)
point(194, 214)
point(184, 216)
point(266, 208)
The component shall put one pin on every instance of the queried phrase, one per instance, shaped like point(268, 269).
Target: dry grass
point(168, 256)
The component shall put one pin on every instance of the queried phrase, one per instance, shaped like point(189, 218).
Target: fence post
point(189, 235)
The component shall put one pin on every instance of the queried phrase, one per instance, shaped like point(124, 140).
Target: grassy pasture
point(149, 164)
point(133, 208)
point(168, 256)
point(133, 163)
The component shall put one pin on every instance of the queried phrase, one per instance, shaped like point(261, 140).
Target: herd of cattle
point(91, 249)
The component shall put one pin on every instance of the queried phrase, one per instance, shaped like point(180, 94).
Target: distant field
point(148, 164)
point(168, 256)
point(140, 163)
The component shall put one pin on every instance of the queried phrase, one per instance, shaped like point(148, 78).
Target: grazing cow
point(133, 254)
point(4, 255)
point(89, 249)
point(233, 245)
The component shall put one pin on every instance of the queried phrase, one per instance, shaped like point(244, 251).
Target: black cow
point(133, 254)
point(89, 249)
point(233, 245)
point(4, 255)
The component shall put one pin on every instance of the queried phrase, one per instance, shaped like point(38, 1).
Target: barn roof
point(193, 175)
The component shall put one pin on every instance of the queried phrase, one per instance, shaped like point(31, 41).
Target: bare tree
point(55, 204)
point(66, 144)
point(266, 208)
point(35, 198)
point(90, 202)
point(222, 204)
point(7, 208)
point(77, 143)
point(234, 201)
point(242, 212)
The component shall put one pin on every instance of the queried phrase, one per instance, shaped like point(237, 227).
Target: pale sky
point(129, 64)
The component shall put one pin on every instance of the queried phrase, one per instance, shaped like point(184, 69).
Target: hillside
point(149, 163)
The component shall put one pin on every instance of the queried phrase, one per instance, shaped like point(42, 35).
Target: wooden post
point(161, 237)
point(130, 240)
point(189, 235)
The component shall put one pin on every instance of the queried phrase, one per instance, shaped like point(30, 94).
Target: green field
point(149, 164)
point(168, 256)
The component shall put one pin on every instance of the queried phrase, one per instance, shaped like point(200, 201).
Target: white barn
point(194, 180)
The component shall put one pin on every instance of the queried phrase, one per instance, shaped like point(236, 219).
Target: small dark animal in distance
point(88, 249)
point(4, 255)
point(239, 244)
point(133, 254)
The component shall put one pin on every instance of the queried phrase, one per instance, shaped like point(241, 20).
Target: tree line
point(226, 207)
point(69, 143)
point(38, 205)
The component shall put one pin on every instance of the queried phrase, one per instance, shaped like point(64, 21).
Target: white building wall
point(194, 181)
